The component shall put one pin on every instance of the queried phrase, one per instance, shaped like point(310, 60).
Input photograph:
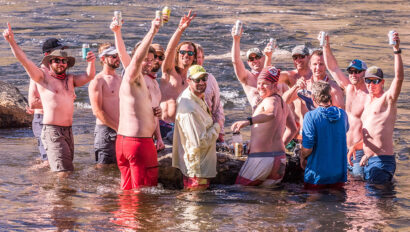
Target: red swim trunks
point(137, 161)
point(195, 183)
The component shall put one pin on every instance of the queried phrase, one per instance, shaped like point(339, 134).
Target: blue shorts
point(104, 144)
point(380, 169)
point(37, 126)
point(356, 170)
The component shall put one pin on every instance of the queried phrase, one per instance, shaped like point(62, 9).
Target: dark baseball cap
point(52, 44)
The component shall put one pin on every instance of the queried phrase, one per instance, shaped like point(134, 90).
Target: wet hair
point(177, 53)
point(321, 92)
point(102, 47)
point(150, 49)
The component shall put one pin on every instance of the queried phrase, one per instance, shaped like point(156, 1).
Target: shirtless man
point(379, 117)
point(56, 89)
point(178, 59)
point(212, 95)
point(267, 159)
point(356, 94)
point(136, 152)
point(159, 57)
point(104, 98)
point(146, 67)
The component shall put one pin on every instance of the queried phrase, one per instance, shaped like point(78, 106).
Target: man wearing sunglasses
point(379, 117)
point(56, 89)
point(104, 98)
point(356, 94)
point(178, 59)
point(195, 133)
point(159, 57)
point(147, 66)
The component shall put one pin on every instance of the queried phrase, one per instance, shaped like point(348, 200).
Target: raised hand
point(233, 32)
point(114, 25)
point(156, 24)
point(397, 39)
point(186, 20)
point(8, 34)
point(90, 57)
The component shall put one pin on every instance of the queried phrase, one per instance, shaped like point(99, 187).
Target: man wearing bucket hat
point(266, 161)
point(104, 98)
point(56, 89)
point(356, 94)
point(35, 106)
point(379, 117)
point(195, 133)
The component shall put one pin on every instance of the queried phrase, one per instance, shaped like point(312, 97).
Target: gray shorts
point(104, 144)
point(37, 126)
point(59, 144)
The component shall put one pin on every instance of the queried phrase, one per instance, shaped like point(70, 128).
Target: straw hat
point(59, 53)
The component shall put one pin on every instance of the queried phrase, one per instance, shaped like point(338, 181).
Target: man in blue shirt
point(324, 141)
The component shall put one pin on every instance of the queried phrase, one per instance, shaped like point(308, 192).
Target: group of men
point(134, 112)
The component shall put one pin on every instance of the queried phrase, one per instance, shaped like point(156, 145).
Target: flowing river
point(34, 200)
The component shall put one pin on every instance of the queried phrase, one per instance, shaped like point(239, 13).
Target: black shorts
point(104, 144)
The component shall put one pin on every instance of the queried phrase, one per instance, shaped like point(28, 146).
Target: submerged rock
point(228, 167)
point(13, 107)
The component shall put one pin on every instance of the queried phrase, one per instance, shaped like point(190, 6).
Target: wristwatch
point(397, 52)
point(250, 120)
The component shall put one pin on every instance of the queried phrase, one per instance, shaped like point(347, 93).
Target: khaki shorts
point(59, 144)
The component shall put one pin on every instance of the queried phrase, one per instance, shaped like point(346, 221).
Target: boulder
point(13, 107)
point(228, 167)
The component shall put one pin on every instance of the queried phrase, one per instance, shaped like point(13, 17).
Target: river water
point(34, 200)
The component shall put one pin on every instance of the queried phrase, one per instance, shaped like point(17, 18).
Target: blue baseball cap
point(357, 64)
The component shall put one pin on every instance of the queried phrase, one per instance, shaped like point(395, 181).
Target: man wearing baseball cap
point(378, 118)
point(195, 133)
point(356, 94)
point(266, 161)
point(56, 89)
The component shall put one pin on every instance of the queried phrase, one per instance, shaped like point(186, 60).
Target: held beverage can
point(85, 50)
point(166, 14)
point(272, 42)
point(238, 149)
point(158, 15)
point(238, 27)
point(118, 17)
point(322, 40)
point(391, 41)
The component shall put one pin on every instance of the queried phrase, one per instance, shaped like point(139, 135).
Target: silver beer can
point(158, 15)
point(272, 42)
point(118, 17)
point(391, 38)
point(322, 36)
point(238, 27)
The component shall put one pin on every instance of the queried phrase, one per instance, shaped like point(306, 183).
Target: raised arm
point(33, 71)
point(291, 94)
point(95, 92)
point(337, 95)
point(238, 66)
point(34, 101)
point(395, 87)
point(268, 51)
point(332, 66)
point(133, 71)
point(169, 63)
point(82, 79)
point(119, 43)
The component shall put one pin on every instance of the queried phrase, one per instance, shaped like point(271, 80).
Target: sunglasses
point(57, 61)
point(295, 57)
point(113, 56)
point(355, 71)
point(197, 80)
point(254, 58)
point(190, 53)
point(374, 81)
point(162, 57)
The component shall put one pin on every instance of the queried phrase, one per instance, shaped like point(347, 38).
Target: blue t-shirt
point(324, 130)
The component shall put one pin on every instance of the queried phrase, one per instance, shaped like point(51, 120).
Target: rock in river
point(12, 107)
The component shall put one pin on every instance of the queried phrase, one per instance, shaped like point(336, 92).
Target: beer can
point(272, 42)
point(118, 17)
point(238, 149)
point(166, 14)
point(158, 15)
point(85, 50)
point(238, 27)
point(322, 40)
point(391, 41)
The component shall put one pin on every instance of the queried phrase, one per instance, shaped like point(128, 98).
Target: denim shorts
point(104, 144)
point(380, 169)
point(37, 126)
point(356, 170)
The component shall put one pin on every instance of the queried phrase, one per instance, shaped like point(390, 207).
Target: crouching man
point(324, 141)
point(266, 162)
point(195, 133)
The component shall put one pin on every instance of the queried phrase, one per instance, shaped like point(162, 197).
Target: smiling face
point(198, 86)
point(356, 76)
point(317, 66)
point(301, 61)
point(186, 55)
point(58, 65)
point(373, 88)
point(112, 61)
point(147, 63)
point(265, 88)
point(256, 62)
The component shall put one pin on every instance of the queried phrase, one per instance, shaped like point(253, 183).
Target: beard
point(57, 70)
point(155, 67)
point(114, 65)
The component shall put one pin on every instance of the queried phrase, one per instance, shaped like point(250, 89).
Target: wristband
point(397, 52)
point(250, 120)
